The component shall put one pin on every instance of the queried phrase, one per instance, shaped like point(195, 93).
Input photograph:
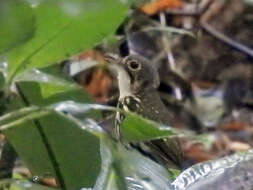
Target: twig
point(170, 56)
point(194, 10)
point(23, 111)
point(25, 119)
point(191, 9)
point(225, 39)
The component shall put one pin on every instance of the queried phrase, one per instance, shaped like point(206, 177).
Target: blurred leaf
point(137, 128)
point(17, 23)
point(133, 128)
point(49, 85)
point(50, 89)
point(76, 152)
point(52, 74)
point(139, 171)
point(57, 142)
point(140, 168)
point(23, 140)
point(65, 28)
point(136, 171)
point(174, 173)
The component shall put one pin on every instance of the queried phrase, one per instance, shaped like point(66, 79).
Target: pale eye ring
point(134, 65)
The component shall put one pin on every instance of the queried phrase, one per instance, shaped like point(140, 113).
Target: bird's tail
point(168, 152)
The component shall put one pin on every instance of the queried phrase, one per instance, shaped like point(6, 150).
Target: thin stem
point(18, 113)
point(27, 118)
point(167, 29)
point(170, 56)
point(195, 9)
point(225, 39)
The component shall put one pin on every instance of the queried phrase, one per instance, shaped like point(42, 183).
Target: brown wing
point(167, 151)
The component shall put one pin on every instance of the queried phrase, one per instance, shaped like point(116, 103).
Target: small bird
point(138, 82)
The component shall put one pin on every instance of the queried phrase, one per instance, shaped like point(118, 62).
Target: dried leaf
point(99, 85)
point(160, 5)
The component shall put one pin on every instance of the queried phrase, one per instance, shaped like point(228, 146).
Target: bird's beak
point(112, 58)
point(115, 64)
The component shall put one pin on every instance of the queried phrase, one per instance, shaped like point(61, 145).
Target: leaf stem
point(18, 113)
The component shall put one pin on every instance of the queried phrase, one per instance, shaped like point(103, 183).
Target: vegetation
point(57, 128)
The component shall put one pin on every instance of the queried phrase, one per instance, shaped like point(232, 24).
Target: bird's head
point(135, 74)
point(143, 75)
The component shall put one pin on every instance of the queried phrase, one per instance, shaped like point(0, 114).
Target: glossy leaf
point(142, 171)
point(65, 28)
point(133, 128)
point(21, 139)
point(56, 142)
point(17, 23)
point(137, 128)
point(133, 162)
point(127, 169)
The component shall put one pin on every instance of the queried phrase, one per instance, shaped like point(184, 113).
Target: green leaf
point(174, 173)
point(133, 127)
point(65, 28)
point(58, 145)
point(127, 169)
point(137, 170)
point(77, 151)
point(21, 139)
point(136, 128)
point(17, 23)
point(49, 85)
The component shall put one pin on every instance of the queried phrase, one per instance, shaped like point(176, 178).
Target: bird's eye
point(134, 65)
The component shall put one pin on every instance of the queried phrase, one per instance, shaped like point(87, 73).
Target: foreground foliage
point(53, 125)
